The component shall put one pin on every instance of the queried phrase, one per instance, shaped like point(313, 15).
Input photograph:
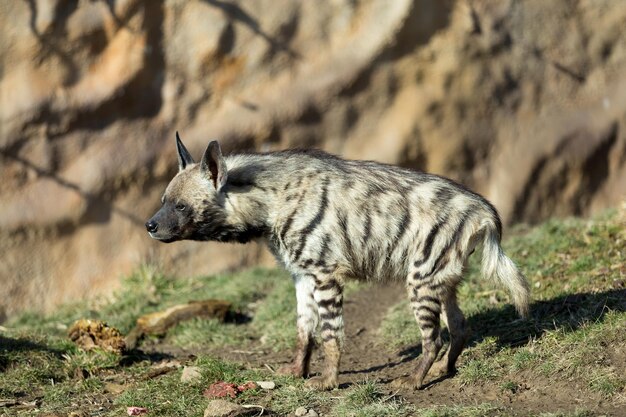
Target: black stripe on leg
point(329, 315)
point(436, 287)
point(327, 337)
point(426, 325)
point(422, 318)
point(429, 299)
point(330, 302)
point(329, 327)
point(426, 309)
point(329, 285)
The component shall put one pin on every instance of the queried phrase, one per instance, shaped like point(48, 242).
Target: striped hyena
point(328, 220)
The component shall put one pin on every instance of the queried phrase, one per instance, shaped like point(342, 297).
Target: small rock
point(221, 389)
point(248, 385)
point(136, 411)
point(312, 413)
point(190, 374)
point(221, 408)
point(300, 412)
point(266, 384)
point(158, 371)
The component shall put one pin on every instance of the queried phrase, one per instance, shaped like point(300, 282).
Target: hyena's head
point(192, 205)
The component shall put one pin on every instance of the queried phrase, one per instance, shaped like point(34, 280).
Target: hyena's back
point(367, 220)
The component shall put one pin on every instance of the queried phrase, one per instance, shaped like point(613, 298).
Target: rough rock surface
point(523, 101)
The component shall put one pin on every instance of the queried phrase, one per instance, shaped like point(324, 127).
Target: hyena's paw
point(406, 382)
point(441, 369)
point(321, 383)
point(291, 370)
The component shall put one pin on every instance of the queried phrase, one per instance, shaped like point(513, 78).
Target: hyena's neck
point(246, 216)
point(255, 182)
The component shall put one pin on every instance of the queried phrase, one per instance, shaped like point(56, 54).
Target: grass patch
point(276, 316)
point(366, 400)
point(477, 370)
point(481, 410)
point(607, 383)
point(522, 358)
point(167, 396)
point(50, 371)
point(399, 328)
point(293, 395)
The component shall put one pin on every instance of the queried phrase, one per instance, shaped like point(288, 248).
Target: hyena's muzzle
point(167, 224)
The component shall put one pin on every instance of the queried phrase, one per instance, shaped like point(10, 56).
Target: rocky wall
point(523, 101)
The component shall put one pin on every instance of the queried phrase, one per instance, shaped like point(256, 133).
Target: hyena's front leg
point(307, 323)
point(329, 297)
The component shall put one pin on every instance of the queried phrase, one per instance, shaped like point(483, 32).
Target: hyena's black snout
point(152, 226)
point(163, 227)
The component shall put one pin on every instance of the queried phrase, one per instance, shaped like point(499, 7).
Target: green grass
point(166, 395)
point(575, 330)
point(481, 410)
point(269, 292)
point(398, 327)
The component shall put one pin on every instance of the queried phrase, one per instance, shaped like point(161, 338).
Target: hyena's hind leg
point(329, 297)
point(426, 304)
point(455, 321)
point(307, 324)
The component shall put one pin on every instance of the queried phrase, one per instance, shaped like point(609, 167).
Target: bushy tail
point(500, 267)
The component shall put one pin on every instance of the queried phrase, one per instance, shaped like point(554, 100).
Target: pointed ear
point(214, 165)
point(184, 157)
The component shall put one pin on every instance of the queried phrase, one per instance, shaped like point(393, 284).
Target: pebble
point(266, 384)
point(221, 408)
point(300, 412)
point(190, 374)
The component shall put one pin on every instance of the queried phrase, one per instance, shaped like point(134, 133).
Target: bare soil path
point(366, 357)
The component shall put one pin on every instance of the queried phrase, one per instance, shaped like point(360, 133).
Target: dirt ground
point(366, 358)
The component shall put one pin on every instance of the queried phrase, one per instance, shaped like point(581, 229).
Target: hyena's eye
point(180, 207)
